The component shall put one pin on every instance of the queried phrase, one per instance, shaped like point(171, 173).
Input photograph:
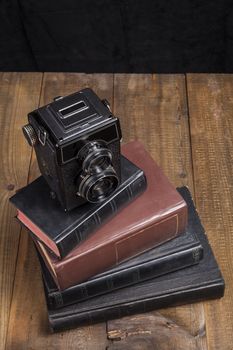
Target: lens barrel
point(98, 179)
point(94, 157)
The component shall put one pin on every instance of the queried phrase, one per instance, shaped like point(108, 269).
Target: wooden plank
point(33, 331)
point(153, 109)
point(19, 93)
point(211, 106)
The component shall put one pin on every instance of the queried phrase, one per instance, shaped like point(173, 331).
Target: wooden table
point(186, 123)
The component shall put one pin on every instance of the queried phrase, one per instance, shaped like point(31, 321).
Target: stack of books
point(141, 249)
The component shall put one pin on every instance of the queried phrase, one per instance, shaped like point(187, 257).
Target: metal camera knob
point(30, 134)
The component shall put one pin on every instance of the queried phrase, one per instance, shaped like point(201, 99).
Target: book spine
point(105, 212)
point(63, 322)
point(126, 277)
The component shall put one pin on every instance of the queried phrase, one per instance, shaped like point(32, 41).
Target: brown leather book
point(158, 215)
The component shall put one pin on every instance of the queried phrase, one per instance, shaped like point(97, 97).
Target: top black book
point(61, 231)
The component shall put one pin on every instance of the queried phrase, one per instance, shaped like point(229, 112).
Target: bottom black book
point(191, 284)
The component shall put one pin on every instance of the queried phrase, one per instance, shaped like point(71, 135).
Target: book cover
point(158, 215)
point(196, 283)
point(183, 251)
point(61, 231)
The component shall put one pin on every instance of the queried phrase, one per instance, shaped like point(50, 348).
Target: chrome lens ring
point(97, 187)
point(95, 157)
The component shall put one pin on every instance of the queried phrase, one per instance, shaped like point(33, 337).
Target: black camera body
point(77, 144)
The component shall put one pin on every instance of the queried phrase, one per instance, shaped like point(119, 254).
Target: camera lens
point(100, 162)
point(95, 157)
point(102, 186)
point(97, 187)
point(98, 179)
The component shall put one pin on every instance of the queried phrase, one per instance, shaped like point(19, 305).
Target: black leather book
point(182, 251)
point(199, 282)
point(61, 231)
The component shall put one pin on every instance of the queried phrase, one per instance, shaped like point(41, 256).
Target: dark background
point(116, 36)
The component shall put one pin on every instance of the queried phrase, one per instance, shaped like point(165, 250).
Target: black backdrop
point(116, 36)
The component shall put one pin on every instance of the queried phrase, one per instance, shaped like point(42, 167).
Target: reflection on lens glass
point(98, 186)
point(101, 162)
point(103, 186)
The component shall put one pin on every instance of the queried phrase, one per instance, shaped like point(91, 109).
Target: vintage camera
point(77, 144)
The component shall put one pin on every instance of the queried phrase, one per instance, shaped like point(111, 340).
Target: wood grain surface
point(211, 122)
point(186, 124)
point(32, 314)
point(19, 93)
point(153, 109)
